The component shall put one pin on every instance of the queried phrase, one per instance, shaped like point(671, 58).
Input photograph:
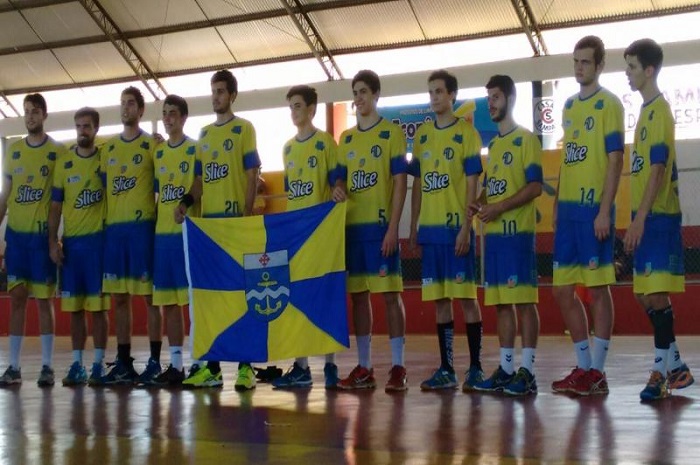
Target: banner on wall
point(411, 117)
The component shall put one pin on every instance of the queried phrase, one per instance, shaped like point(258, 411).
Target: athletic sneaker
point(441, 379)
point(11, 376)
point(76, 375)
point(246, 378)
point(46, 377)
point(572, 380)
point(149, 374)
point(201, 377)
point(680, 378)
point(656, 388)
point(597, 384)
point(522, 384)
point(169, 378)
point(472, 377)
point(330, 373)
point(121, 374)
point(496, 382)
point(96, 375)
point(359, 378)
point(296, 377)
point(397, 380)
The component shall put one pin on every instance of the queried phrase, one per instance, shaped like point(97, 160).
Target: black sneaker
point(120, 374)
point(171, 377)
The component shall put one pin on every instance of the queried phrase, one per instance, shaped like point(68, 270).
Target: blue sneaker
point(121, 374)
point(496, 382)
point(296, 377)
point(11, 376)
point(522, 384)
point(656, 388)
point(150, 373)
point(330, 372)
point(96, 375)
point(76, 375)
point(441, 379)
point(472, 377)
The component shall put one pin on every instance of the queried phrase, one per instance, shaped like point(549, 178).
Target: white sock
point(507, 362)
point(15, 350)
point(364, 350)
point(176, 357)
point(397, 345)
point(46, 349)
point(330, 358)
point(78, 356)
point(583, 354)
point(529, 359)
point(303, 362)
point(674, 357)
point(660, 360)
point(600, 353)
point(99, 355)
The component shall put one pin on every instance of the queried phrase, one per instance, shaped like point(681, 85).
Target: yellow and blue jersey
point(30, 169)
point(78, 185)
point(654, 143)
point(514, 160)
point(593, 128)
point(368, 159)
point(225, 153)
point(309, 169)
point(173, 178)
point(127, 169)
point(442, 159)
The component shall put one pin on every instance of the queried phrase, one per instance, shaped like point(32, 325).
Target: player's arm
point(416, 197)
point(251, 188)
point(601, 224)
point(55, 250)
point(189, 199)
point(529, 192)
point(636, 229)
point(4, 196)
point(398, 197)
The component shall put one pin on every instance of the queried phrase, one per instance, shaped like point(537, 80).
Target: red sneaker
point(397, 379)
point(570, 382)
point(597, 383)
point(359, 378)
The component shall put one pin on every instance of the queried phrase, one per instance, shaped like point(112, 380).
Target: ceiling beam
point(9, 104)
point(313, 38)
point(126, 50)
point(28, 4)
point(530, 26)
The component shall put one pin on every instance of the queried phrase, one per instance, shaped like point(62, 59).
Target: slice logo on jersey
point(448, 153)
point(228, 145)
point(299, 188)
point(88, 198)
point(213, 171)
point(575, 153)
point(507, 158)
point(268, 287)
point(434, 181)
point(267, 283)
point(589, 123)
point(376, 151)
point(362, 180)
point(27, 194)
point(171, 193)
point(496, 187)
point(637, 163)
point(123, 184)
point(313, 161)
point(593, 263)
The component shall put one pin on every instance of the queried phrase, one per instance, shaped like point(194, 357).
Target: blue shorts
point(169, 274)
point(580, 258)
point(658, 261)
point(446, 275)
point(128, 258)
point(369, 271)
point(81, 274)
point(510, 269)
point(28, 263)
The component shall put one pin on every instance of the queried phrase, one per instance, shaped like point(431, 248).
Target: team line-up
point(120, 240)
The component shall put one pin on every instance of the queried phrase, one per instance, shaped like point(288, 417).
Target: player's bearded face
point(498, 105)
point(85, 140)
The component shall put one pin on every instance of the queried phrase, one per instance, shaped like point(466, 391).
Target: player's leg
point(524, 381)
point(396, 319)
point(507, 326)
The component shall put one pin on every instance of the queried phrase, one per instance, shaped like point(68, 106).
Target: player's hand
point(390, 243)
point(601, 226)
point(474, 209)
point(463, 239)
point(158, 137)
point(489, 212)
point(56, 252)
point(180, 213)
point(633, 236)
point(339, 194)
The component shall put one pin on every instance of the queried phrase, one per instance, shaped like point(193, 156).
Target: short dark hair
point(88, 111)
point(37, 100)
point(449, 79)
point(648, 52)
point(502, 82)
point(177, 101)
point(596, 44)
point(136, 93)
point(368, 77)
point(226, 76)
point(308, 93)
